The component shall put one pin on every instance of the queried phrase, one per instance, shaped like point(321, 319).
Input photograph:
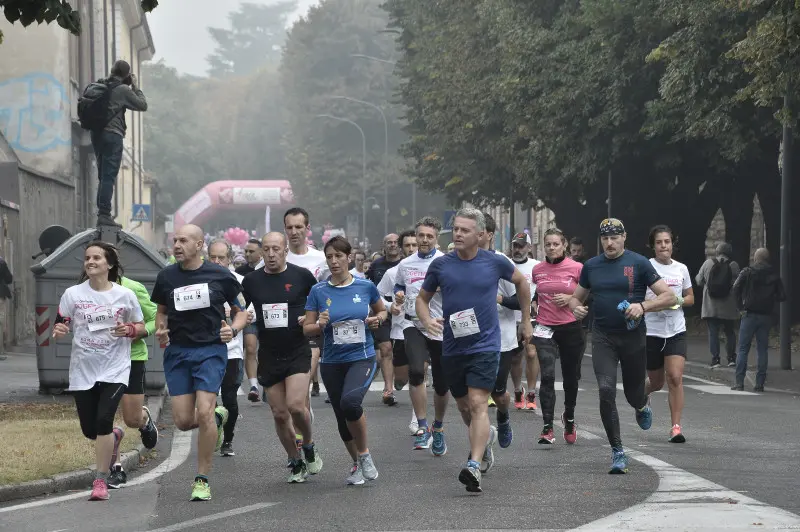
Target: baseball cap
point(521, 238)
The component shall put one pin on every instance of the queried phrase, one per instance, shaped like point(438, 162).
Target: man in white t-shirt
point(520, 251)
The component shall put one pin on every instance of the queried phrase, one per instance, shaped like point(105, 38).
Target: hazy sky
point(179, 29)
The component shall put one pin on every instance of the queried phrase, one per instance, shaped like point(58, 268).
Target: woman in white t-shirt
point(105, 318)
point(666, 330)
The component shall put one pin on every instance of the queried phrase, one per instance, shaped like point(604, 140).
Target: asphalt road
point(739, 470)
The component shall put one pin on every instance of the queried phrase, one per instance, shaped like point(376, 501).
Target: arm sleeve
point(311, 301)
point(431, 282)
point(511, 302)
point(148, 308)
point(135, 100)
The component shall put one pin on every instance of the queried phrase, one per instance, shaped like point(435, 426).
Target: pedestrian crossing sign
point(141, 212)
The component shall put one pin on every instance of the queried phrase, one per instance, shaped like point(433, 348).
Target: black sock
point(502, 417)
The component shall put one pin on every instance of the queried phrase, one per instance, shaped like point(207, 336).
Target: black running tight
point(569, 341)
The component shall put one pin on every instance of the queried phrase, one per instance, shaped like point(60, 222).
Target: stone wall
point(716, 231)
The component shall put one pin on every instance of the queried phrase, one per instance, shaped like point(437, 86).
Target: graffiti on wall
point(34, 113)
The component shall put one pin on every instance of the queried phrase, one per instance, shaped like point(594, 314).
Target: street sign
point(141, 212)
point(448, 219)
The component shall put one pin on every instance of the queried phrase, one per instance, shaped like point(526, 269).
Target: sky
point(179, 29)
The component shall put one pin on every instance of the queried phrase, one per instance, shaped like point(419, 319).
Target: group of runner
point(473, 315)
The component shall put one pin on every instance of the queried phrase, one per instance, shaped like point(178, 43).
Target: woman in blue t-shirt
point(339, 310)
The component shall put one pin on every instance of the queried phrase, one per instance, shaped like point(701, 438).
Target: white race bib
point(348, 332)
point(541, 331)
point(192, 297)
point(464, 323)
point(276, 315)
point(100, 320)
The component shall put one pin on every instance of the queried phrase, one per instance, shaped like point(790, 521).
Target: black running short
point(658, 348)
point(382, 333)
point(273, 370)
point(399, 357)
point(136, 379)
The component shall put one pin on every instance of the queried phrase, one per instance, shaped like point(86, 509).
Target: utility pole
point(786, 234)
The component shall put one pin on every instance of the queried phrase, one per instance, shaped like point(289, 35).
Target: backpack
point(720, 279)
point(93, 105)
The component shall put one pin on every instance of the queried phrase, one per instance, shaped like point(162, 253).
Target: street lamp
point(375, 205)
point(363, 168)
point(385, 156)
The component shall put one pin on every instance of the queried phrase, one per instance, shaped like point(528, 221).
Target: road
point(737, 471)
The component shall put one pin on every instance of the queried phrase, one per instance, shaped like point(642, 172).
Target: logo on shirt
point(356, 299)
point(328, 302)
point(287, 286)
point(628, 272)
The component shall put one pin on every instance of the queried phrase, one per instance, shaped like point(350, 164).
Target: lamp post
point(385, 156)
point(363, 169)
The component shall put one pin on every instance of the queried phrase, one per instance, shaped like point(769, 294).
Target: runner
point(339, 309)
point(359, 258)
point(408, 245)
point(135, 414)
point(557, 332)
point(507, 305)
point(520, 254)
point(392, 254)
point(618, 279)
point(252, 256)
point(191, 319)
point(220, 252)
point(471, 330)
point(278, 292)
point(106, 318)
point(421, 344)
point(666, 330)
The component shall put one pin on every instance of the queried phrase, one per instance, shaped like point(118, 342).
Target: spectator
point(576, 251)
point(757, 290)
point(716, 277)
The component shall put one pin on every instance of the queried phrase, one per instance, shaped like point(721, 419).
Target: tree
point(255, 39)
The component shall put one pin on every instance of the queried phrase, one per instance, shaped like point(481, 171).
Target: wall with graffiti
point(36, 96)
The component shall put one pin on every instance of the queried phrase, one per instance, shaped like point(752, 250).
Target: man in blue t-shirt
point(191, 297)
point(467, 278)
point(618, 280)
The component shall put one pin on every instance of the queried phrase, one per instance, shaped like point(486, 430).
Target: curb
point(82, 478)
point(725, 375)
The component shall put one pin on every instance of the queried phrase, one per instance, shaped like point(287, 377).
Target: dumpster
point(60, 270)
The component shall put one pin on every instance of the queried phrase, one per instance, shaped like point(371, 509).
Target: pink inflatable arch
point(232, 195)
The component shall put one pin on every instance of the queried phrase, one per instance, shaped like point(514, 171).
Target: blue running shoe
point(619, 462)
point(439, 446)
point(422, 439)
point(644, 417)
point(504, 434)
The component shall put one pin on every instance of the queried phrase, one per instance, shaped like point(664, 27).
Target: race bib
point(541, 331)
point(464, 323)
point(276, 315)
point(192, 297)
point(100, 320)
point(348, 332)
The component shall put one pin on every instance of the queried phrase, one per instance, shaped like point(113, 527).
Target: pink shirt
point(552, 279)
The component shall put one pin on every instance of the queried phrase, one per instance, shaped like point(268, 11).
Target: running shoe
point(504, 434)
point(619, 462)
point(118, 435)
point(470, 476)
point(356, 477)
point(201, 491)
point(99, 490)
point(547, 437)
point(389, 399)
point(367, 467)
point(252, 395)
point(488, 453)
point(644, 417)
point(117, 477)
point(423, 439)
point(314, 389)
point(221, 415)
point(413, 426)
point(226, 449)
point(439, 445)
point(519, 399)
point(298, 472)
point(149, 432)
point(570, 430)
point(676, 435)
point(313, 459)
point(530, 404)
point(492, 404)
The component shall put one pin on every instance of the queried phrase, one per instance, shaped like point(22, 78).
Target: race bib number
point(192, 297)
point(348, 332)
point(541, 331)
point(464, 323)
point(100, 320)
point(276, 315)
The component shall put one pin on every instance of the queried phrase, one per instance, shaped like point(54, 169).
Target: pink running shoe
point(99, 490)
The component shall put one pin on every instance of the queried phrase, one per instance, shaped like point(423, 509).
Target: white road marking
point(181, 447)
point(698, 379)
point(214, 517)
point(716, 389)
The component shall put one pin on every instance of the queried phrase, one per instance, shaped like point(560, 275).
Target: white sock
point(413, 416)
point(253, 381)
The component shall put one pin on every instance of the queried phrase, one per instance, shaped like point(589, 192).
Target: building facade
point(48, 173)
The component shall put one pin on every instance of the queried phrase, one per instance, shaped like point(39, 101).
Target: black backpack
point(720, 279)
point(93, 106)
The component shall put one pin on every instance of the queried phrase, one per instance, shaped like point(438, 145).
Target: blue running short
point(191, 369)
